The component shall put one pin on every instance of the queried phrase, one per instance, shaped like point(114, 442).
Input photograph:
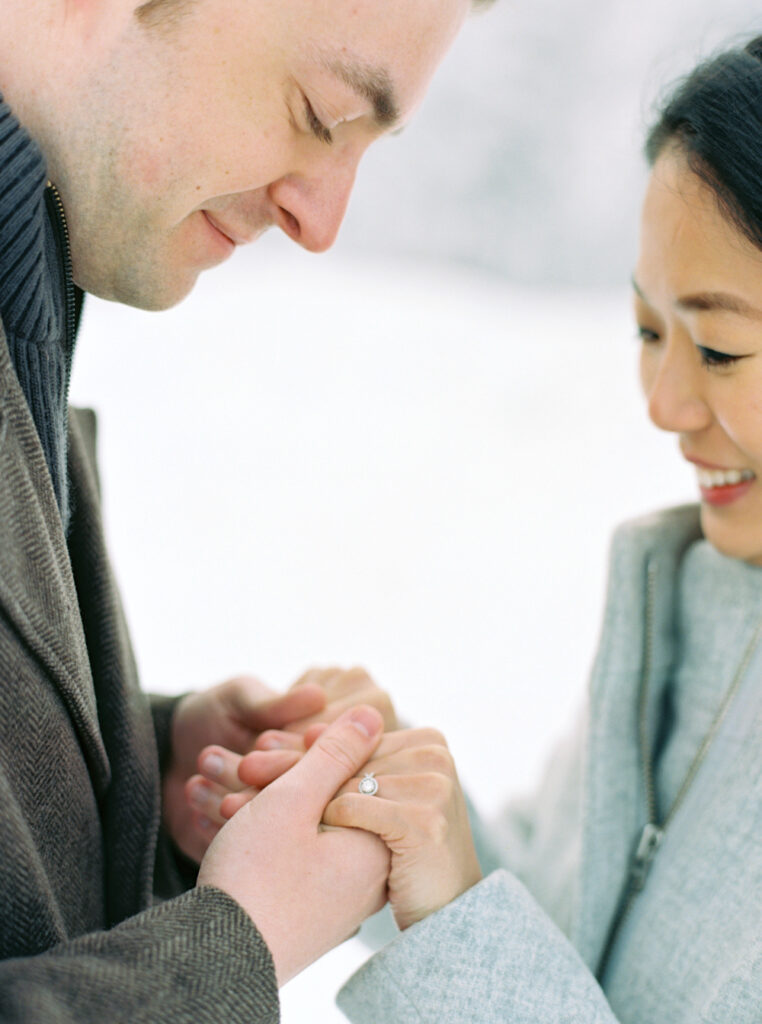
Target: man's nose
point(674, 389)
point(311, 208)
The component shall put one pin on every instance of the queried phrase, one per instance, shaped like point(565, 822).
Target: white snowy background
point(410, 453)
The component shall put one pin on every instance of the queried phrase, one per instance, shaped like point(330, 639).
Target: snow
point(341, 461)
point(525, 157)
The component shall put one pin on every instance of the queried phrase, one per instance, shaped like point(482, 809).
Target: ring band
point(368, 784)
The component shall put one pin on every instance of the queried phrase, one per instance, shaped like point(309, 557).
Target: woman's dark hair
point(714, 120)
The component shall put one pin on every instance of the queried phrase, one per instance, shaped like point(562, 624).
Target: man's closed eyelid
point(317, 127)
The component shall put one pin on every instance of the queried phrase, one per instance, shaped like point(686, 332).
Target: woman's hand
point(343, 689)
point(420, 813)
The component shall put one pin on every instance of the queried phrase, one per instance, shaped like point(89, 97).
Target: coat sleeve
point(197, 959)
point(498, 953)
point(492, 956)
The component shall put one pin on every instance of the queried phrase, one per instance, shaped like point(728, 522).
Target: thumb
point(336, 755)
point(280, 710)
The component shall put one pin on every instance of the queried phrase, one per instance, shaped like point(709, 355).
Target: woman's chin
point(733, 535)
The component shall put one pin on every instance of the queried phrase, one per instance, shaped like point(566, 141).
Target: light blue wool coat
point(524, 945)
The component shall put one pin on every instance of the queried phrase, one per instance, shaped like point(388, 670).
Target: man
point(169, 132)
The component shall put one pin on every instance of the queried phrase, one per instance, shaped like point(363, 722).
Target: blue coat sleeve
point(492, 956)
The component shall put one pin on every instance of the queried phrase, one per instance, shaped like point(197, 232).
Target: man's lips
point(228, 231)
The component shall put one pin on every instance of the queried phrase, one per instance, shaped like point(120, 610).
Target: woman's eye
point(316, 126)
point(711, 357)
point(647, 334)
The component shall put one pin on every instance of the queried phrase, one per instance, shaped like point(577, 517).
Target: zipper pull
point(648, 844)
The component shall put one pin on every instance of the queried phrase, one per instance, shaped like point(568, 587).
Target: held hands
point(305, 888)
point(233, 716)
point(419, 812)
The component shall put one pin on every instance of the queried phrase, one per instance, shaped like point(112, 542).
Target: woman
point(632, 887)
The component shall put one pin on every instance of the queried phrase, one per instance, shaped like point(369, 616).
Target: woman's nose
point(674, 387)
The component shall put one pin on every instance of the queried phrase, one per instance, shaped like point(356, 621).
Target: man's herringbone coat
point(82, 936)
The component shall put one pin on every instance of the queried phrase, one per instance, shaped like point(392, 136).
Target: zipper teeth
point(645, 746)
point(630, 893)
point(66, 252)
point(634, 887)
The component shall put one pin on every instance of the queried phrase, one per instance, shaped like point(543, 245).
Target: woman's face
point(698, 306)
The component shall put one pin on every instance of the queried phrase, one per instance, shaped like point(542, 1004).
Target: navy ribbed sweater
point(33, 295)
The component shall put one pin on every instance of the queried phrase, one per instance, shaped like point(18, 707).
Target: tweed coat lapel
point(37, 592)
point(638, 641)
point(131, 809)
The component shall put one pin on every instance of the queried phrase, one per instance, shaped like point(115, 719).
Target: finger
point(312, 734)
point(384, 818)
point(318, 676)
point(220, 766)
point(261, 767)
point(334, 757)
point(344, 689)
point(205, 828)
point(328, 714)
point(427, 788)
point(406, 739)
point(235, 801)
point(205, 797)
point(277, 739)
point(300, 702)
point(414, 760)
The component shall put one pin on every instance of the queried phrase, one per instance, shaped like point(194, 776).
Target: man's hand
point(419, 812)
point(305, 888)
point(232, 715)
point(232, 719)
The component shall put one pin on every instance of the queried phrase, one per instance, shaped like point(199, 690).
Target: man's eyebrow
point(711, 302)
point(371, 83)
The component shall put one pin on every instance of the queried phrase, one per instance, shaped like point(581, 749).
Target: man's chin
point(152, 295)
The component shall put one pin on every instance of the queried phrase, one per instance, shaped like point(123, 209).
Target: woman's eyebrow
point(724, 302)
point(710, 302)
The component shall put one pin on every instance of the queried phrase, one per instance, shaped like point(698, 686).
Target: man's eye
point(711, 357)
point(316, 126)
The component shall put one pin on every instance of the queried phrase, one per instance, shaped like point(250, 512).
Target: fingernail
point(213, 764)
point(199, 795)
point(204, 823)
point(366, 720)
point(269, 743)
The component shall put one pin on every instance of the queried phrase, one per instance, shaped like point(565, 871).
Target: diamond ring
point(368, 784)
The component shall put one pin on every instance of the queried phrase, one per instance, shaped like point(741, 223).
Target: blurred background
point(410, 453)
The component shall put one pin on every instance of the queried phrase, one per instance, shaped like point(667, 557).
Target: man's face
point(177, 141)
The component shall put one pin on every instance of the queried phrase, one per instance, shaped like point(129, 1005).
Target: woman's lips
point(723, 486)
